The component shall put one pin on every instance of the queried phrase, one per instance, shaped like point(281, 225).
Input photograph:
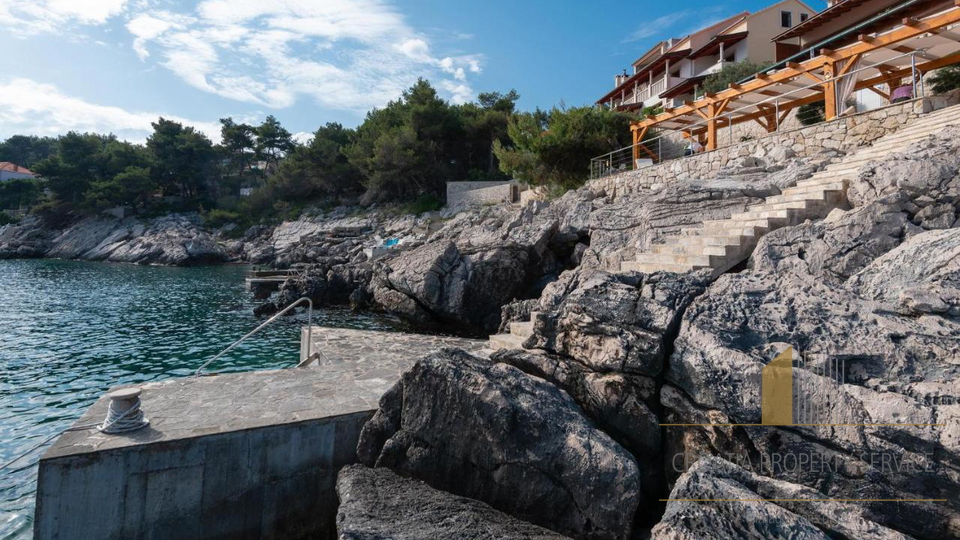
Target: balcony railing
point(646, 91)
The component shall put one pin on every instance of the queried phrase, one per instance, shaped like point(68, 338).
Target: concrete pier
point(242, 455)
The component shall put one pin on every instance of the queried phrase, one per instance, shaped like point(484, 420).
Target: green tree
point(555, 148)
point(74, 167)
point(731, 73)
point(239, 142)
point(183, 158)
point(132, 186)
point(319, 168)
point(273, 141)
point(410, 147)
point(27, 150)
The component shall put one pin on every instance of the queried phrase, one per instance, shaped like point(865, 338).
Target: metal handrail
point(261, 327)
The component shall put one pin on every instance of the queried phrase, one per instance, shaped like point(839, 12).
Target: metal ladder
point(307, 360)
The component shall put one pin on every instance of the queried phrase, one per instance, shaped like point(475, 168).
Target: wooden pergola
point(911, 46)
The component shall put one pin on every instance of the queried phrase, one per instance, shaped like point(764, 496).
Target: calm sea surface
point(70, 330)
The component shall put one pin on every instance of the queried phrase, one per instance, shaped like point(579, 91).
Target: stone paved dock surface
point(241, 454)
point(372, 359)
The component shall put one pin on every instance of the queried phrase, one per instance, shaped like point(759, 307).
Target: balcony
point(647, 95)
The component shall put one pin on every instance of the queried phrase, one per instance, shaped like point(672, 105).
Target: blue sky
point(115, 65)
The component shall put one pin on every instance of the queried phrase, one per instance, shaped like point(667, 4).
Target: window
point(786, 19)
point(804, 16)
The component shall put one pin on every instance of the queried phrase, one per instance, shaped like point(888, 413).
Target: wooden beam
point(880, 93)
point(850, 62)
point(903, 49)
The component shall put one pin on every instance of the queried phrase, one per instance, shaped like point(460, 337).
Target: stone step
point(678, 259)
point(506, 341)
point(762, 214)
point(718, 241)
point(752, 232)
point(683, 248)
point(522, 329)
point(647, 268)
point(817, 195)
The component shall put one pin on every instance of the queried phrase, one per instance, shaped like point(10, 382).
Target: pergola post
point(636, 148)
point(830, 90)
point(712, 126)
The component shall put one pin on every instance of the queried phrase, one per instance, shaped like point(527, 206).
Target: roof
point(642, 74)
point(713, 45)
point(13, 167)
point(832, 12)
point(683, 87)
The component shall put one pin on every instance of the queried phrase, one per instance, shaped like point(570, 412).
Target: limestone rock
point(174, 239)
point(491, 432)
point(846, 292)
point(714, 478)
point(614, 322)
point(622, 405)
point(379, 504)
point(925, 176)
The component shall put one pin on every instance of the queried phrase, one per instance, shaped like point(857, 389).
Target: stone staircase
point(722, 244)
point(719, 245)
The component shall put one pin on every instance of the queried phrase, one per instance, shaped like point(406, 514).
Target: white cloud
point(657, 26)
point(23, 18)
point(344, 54)
point(28, 107)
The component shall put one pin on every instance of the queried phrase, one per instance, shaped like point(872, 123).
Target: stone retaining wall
point(470, 193)
point(844, 135)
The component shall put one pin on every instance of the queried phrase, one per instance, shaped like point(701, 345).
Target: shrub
point(428, 202)
point(946, 79)
point(731, 73)
point(7, 219)
point(218, 218)
point(811, 113)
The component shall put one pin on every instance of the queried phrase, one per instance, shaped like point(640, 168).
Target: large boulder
point(378, 503)
point(623, 405)
point(463, 277)
point(717, 500)
point(615, 322)
point(491, 432)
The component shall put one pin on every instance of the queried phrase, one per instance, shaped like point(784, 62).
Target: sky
point(114, 66)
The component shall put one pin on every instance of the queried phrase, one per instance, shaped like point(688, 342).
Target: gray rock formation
point(924, 177)
point(623, 405)
point(170, 240)
point(872, 291)
point(491, 432)
point(614, 322)
point(379, 504)
point(467, 272)
point(701, 509)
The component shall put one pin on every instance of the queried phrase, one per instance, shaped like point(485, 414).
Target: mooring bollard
point(124, 413)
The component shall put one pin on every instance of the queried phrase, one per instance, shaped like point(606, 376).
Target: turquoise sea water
point(70, 330)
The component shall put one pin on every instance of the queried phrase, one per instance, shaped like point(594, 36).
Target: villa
point(12, 171)
point(671, 71)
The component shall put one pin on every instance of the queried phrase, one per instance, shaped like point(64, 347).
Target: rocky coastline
point(634, 409)
point(623, 415)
